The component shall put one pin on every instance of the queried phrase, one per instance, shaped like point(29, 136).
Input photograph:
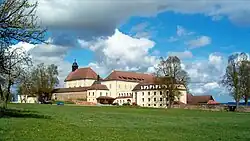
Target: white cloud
point(48, 54)
point(182, 55)
point(172, 39)
point(211, 85)
point(181, 31)
point(121, 51)
point(97, 18)
point(199, 42)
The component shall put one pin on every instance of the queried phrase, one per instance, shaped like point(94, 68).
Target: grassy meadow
point(33, 122)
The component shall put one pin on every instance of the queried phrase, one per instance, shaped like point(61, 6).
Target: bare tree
point(171, 77)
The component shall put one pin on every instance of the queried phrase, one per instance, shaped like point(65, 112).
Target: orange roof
point(98, 87)
point(81, 73)
point(199, 99)
point(130, 76)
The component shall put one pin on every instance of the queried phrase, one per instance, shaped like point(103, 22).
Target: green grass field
point(79, 123)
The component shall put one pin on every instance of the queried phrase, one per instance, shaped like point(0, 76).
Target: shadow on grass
point(17, 113)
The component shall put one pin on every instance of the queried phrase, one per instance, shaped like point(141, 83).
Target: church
point(119, 87)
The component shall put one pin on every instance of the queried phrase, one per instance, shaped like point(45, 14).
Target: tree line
point(237, 77)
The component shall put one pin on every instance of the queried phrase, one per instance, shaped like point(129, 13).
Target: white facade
point(79, 83)
point(93, 94)
point(119, 88)
point(26, 99)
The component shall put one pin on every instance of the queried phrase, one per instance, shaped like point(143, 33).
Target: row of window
point(126, 86)
point(125, 94)
point(153, 93)
point(151, 105)
point(100, 94)
point(155, 99)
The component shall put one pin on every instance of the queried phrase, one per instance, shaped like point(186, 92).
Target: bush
point(126, 104)
point(116, 104)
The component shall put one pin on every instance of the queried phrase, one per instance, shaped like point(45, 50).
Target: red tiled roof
point(98, 87)
point(130, 76)
point(201, 99)
point(212, 102)
point(81, 73)
point(65, 90)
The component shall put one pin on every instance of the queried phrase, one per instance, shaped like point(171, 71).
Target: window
point(93, 99)
point(148, 104)
point(120, 101)
point(89, 93)
point(154, 99)
point(154, 104)
point(93, 93)
point(142, 99)
point(148, 99)
point(160, 92)
point(160, 104)
point(110, 86)
point(142, 93)
point(143, 105)
point(154, 93)
point(160, 99)
point(100, 93)
point(106, 93)
point(119, 94)
point(123, 101)
point(148, 93)
point(89, 99)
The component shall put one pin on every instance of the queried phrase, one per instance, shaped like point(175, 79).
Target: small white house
point(27, 99)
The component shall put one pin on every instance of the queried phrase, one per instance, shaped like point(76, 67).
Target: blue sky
point(133, 35)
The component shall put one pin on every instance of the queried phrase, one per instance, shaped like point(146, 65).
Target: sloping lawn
point(33, 122)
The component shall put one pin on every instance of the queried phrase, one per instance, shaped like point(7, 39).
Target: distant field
point(79, 123)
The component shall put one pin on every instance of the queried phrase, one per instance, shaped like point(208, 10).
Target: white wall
point(93, 94)
point(79, 83)
point(26, 99)
point(119, 87)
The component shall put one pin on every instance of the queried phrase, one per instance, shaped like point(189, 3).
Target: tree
point(16, 60)
point(171, 77)
point(233, 78)
point(40, 82)
point(244, 77)
point(24, 87)
point(18, 22)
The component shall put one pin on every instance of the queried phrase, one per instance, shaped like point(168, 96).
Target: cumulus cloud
point(199, 42)
point(48, 54)
point(206, 74)
point(88, 19)
point(121, 51)
point(183, 55)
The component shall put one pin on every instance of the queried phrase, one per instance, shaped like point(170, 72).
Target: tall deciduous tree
point(40, 82)
point(233, 78)
point(171, 77)
point(16, 60)
point(244, 76)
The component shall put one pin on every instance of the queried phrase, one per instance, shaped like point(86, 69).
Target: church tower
point(74, 66)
